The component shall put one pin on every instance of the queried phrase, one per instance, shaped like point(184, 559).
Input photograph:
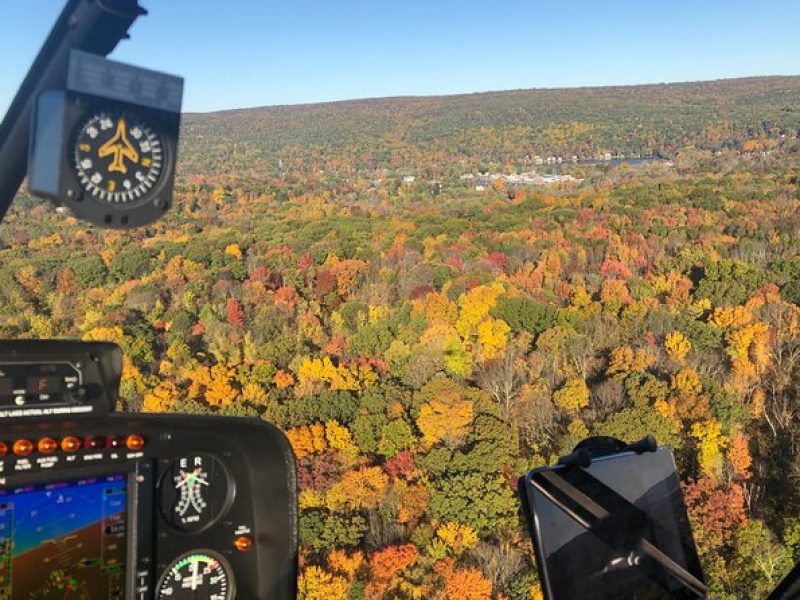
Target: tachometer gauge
point(118, 157)
point(195, 491)
point(197, 575)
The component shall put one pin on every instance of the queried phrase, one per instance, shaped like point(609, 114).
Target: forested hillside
point(433, 135)
point(425, 343)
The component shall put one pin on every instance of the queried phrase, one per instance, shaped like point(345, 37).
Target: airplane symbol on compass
point(120, 147)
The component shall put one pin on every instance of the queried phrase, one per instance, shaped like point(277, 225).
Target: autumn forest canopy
point(424, 339)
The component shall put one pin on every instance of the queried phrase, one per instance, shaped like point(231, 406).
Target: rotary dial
point(118, 157)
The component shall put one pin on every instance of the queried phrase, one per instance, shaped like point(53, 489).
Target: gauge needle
point(191, 479)
point(197, 477)
point(195, 578)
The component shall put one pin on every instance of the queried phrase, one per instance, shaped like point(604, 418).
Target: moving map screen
point(64, 541)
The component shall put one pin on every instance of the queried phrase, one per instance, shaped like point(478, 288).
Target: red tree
point(235, 314)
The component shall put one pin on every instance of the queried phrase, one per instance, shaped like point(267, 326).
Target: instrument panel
point(139, 506)
point(43, 378)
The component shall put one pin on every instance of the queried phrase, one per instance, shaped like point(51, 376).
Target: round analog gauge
point(195, 491)
point(197, 575)
point(118, 157)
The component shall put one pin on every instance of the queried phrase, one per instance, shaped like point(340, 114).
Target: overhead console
point(139, 506)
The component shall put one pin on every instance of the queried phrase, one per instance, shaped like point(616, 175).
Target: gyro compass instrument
point(106, 146)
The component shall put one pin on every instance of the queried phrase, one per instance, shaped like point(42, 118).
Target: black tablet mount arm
point(598, 446)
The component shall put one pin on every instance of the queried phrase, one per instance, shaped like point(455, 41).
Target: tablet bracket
point(599, 446)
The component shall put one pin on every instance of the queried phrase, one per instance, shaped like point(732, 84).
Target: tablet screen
point(617, 529)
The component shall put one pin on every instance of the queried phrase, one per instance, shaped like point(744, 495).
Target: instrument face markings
point(197, 575)
point(118, 158)
point(195, 490)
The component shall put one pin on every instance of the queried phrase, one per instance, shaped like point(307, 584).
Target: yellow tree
point(492, 338)
point(315, 583)
point(436, 307)
point(307, 439)
point(344, 563)
point(677, 346)
point(457, 537)
point(446, 417)
point(727, 317)
point(688, 401)
point(357, 489)
point(474, 307)
point(220, 390)
point(339, 438)
point(625, 359)
point(214, 384)
point(160, 399)
point(104, 334)
point(687, 382)
point(348, 274)
point(573, 395)
point(710, 444)
point(234, 251)
point(749, 350)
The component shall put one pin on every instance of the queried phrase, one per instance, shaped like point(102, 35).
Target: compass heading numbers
point(117, 157)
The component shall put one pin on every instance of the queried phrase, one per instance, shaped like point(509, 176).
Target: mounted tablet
point(615, 528)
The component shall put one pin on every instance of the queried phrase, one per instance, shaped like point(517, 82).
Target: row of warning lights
point(47, 445)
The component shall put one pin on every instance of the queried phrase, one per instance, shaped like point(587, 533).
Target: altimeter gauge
point(195, 491)
point(118, 157)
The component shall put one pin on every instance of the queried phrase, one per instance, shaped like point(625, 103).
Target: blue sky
point(239, 53)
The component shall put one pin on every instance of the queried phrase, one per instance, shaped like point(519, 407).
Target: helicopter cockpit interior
point(97, 503)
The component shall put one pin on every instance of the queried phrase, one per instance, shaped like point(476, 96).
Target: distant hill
point(434, 133)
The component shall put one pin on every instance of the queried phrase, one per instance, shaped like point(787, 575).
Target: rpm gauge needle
point(197, 477)
point(191, 479)
point(195, 578)
point(184, 480)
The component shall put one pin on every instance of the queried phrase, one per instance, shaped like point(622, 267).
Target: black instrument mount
point(93, 26)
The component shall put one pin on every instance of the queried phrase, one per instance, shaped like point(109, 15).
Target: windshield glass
point(436, 291)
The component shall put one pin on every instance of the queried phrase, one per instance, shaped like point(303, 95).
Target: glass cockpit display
point(64, 540)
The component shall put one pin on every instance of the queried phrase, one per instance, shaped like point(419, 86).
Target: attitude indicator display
point(64, 540)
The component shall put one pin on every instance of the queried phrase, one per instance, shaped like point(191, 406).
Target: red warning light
point(94, 442)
